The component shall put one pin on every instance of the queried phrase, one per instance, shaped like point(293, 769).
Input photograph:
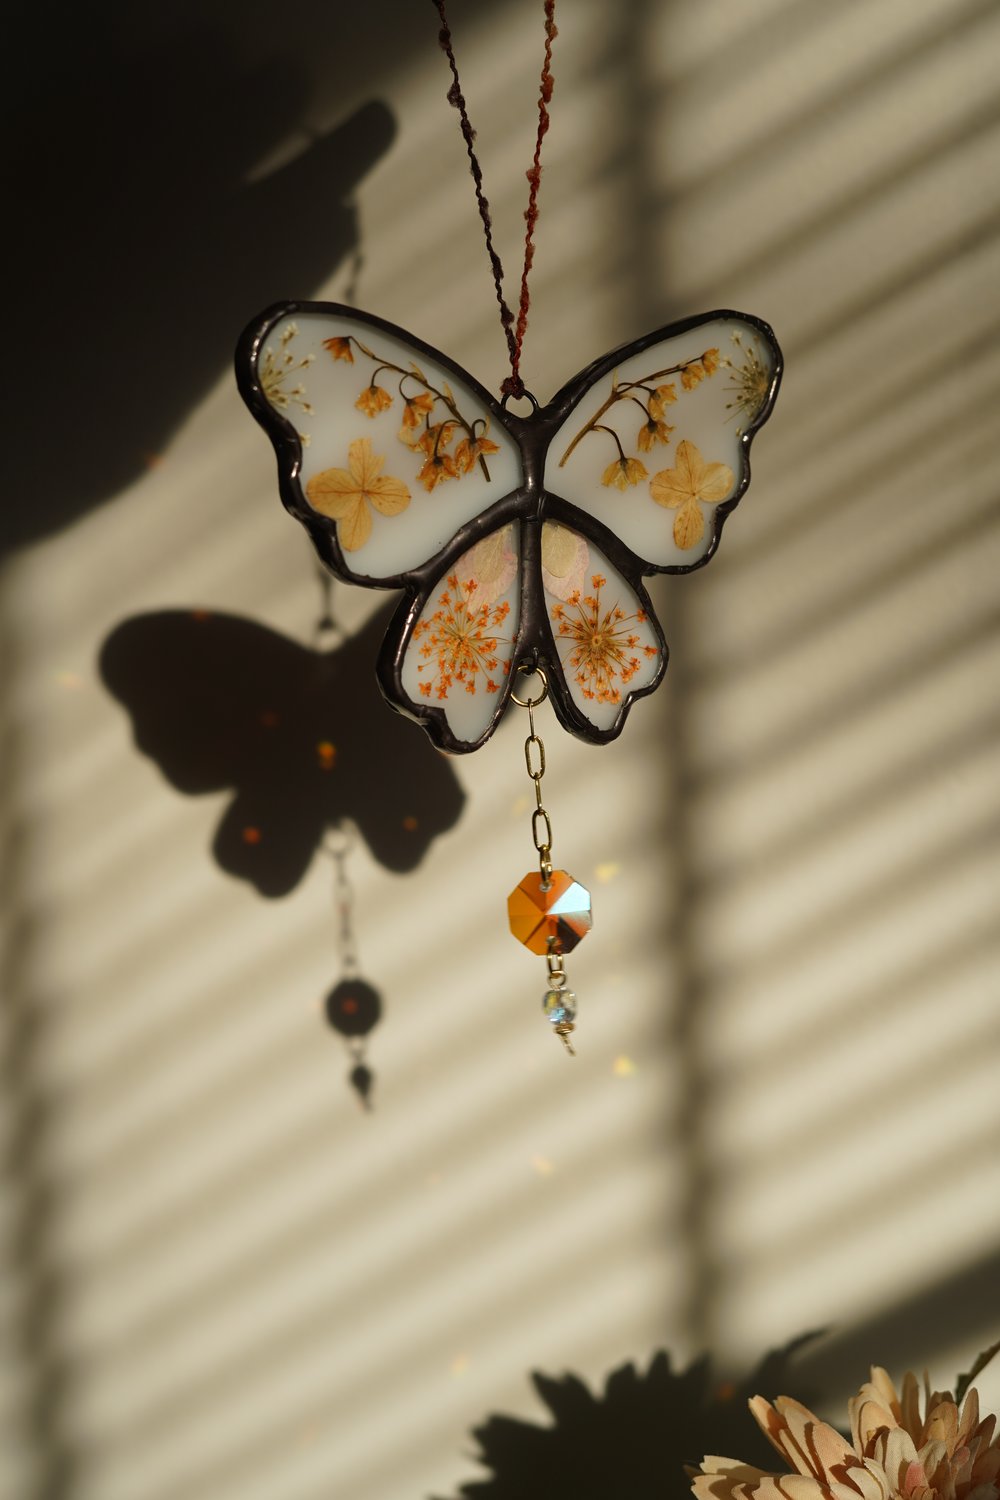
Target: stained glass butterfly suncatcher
point(518, 540)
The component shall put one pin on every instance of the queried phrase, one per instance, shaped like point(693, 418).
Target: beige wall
point(220, 1278)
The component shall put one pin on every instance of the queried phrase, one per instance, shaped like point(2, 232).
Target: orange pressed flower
point(666, 395)
point(623, 472)
point(373, 399)
point(711, 359)
point(434, 439)
point(469, 450)
point(604, 652)
point(688, 486)
point(347, 495)
point(652, 432)
point(415, 409)
point(339, 349)
point(692, 374)
point(459, 640)
point(437, 467)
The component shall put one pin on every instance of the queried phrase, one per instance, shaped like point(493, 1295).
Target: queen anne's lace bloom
point(897, 1451)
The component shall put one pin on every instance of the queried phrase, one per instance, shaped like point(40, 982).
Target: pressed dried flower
point(469, 450)
point(346, 495)
point(624, 472)
point(373, 399)
point(652, 432)
point(339, 348)
point(605, 649)
point(688, 486)
point(438, 466)
point(415, 408)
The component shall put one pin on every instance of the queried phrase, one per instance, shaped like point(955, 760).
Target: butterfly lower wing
point(605, 639)
point(456, 644)
point(653, 440)
point(385, 447)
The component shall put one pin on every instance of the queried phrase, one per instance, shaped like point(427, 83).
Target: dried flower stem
point(620, 393)
point(415, 373)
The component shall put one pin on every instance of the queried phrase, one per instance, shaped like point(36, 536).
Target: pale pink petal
point(790, 1487)
point(770, 1423)
point(724, 1478)
point(807, 1487)
point(882, 1382)
point(915, 1477)
point(565, 560)
point(871, 1480)
point(931, 1458)
point(821, 1446)
point(829, 1447)
point(899, 1454)
point(961, 1468)
point(774, 1424)
point(909, 1407)
point(713, 1463)
point(868, 1417)
point(845, 1489)
point(493, 566)
point(984, 1432)
point(970, 1416)
point(942, 1423)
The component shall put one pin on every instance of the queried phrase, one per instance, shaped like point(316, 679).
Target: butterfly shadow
point(301, 736)
point(147, 191)
point(632, 1440)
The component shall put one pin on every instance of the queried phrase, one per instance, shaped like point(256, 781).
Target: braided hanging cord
point(514, 330)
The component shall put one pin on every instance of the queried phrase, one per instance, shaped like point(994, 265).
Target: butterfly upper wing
point(385, 447)
point(653, 440)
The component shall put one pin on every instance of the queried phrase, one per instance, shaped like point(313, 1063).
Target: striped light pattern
point(218, 1277)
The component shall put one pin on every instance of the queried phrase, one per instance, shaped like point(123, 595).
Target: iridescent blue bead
point(559, 1006)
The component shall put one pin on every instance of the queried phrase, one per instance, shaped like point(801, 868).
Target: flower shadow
point(633, 1440)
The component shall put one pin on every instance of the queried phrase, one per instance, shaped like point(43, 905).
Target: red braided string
point(534, 175)
point(513, 385)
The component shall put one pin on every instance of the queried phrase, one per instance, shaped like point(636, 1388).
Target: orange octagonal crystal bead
point(561, 913)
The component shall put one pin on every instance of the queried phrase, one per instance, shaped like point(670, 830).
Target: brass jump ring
point(527, 666)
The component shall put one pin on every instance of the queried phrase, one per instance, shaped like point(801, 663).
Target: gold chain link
point(534, 760)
